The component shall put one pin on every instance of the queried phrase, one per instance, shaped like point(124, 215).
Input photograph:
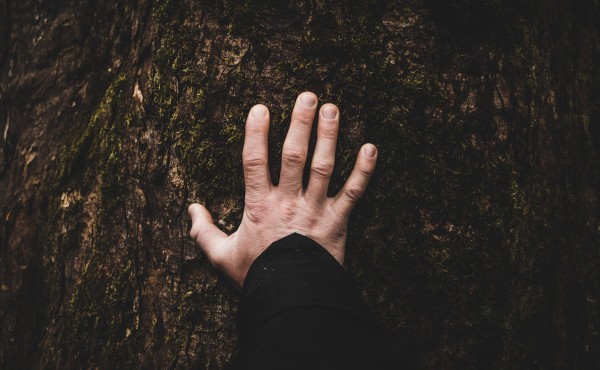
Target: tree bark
point(477, 244)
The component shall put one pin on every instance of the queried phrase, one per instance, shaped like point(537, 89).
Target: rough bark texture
point(477, 244)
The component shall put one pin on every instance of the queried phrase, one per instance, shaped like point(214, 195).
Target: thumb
point(204, 231)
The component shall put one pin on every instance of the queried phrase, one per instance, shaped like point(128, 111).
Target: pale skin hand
point(273, 212)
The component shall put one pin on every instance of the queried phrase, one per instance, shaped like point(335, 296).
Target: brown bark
point(477, 243)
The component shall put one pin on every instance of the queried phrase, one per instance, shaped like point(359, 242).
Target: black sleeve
point(300, 310)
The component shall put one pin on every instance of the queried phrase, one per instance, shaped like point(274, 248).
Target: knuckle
point(293, 157)
point(322, 169)
point(365, 171)
point(252, 161)
point(255, 127)
point(255, 216)
point(303, 119)
point(312, 222)
point(337, 232)
point(328, 134)
point(255, 211)
point(288, 211)
point(353, 194)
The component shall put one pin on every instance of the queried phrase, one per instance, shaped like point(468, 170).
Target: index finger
point(255, 155)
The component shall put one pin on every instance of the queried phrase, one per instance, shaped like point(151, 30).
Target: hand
point(273, 212)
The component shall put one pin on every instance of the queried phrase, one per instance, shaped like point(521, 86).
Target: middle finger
point(295, 146)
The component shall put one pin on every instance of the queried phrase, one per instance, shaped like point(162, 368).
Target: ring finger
point(324, 157)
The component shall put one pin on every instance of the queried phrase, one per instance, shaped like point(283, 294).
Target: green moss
point(209, 150)
point(98, 316)
point(93, 321)
point(72, 156)
point(459, 230)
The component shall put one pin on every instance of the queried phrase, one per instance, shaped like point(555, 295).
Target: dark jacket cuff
point(292, 272)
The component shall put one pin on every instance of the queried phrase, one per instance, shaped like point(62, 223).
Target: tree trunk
point(477, 244)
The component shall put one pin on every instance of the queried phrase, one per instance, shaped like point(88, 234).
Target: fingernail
point(329, 111)
point(258, 111)
point(308, 99)
point(370, 151)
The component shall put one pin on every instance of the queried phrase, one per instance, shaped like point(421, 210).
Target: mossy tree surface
point(477, 244)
